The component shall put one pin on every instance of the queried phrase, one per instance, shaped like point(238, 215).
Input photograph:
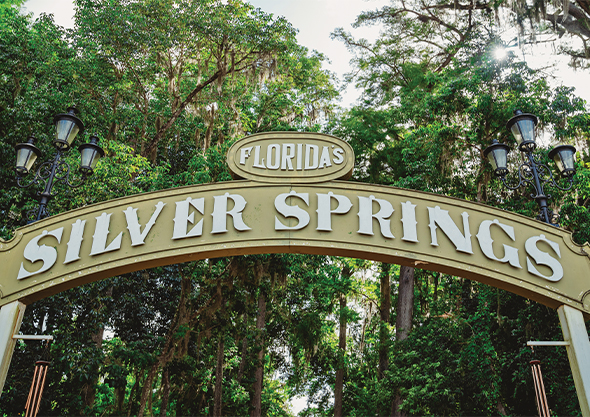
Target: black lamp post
point(67, 126)
point(532, 171)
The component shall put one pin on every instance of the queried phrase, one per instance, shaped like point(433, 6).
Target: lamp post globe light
point(532, 171)
point(67, 127)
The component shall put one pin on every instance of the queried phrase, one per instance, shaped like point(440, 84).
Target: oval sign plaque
point(291, 156)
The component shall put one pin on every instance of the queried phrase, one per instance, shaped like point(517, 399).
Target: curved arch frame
point(340, 218)
point(426, 230)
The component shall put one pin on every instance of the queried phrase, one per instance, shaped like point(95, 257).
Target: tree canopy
point(168, 86)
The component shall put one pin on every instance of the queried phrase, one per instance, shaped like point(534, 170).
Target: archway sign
point(289, 197)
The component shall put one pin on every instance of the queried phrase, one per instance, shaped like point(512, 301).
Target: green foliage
point(435, 117)
point(169, 86)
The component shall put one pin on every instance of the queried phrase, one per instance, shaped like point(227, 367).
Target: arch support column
point(11, 317)
point(578, 352)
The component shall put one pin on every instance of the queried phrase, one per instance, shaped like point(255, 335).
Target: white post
point(578, 352)
point(11, 316)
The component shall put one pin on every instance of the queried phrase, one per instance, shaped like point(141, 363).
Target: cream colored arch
point(380, 223)
point(341, 218)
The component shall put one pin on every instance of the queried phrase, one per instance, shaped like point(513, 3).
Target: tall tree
point(341, 355)
point(130, 88)
point(435, 118)
point(385, 315)
point(190, 339)
point(261, 272)
point(403, 322)
point(172, 53)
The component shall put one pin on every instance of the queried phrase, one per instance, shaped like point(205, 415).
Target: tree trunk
point(133, 393)
point(150, 409)
point(208, 134)
point(189, 99)
point(403, 323)
point(172, 345)
point(218, 378)
point(88, 390)
point(147, 389)
point(165, 393)
point(259, 373)
point(245, 355)
point(405, 303)
point(385, 311)
point(120, 399)
point(397, 402)
point(436, 282)
point(201, 395)
point(501, 408)
point(339, 386)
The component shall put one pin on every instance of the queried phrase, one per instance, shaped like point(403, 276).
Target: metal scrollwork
point(534, 173)
point(49, 173)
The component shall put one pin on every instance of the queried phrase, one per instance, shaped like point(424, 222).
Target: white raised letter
point(309, 164)
point(287, 155)
point(325, 158)
point(409, 222)
point(220, 213)
point(75, 242)
point(366, 216)
point(324, 209)
point(244, 154)
point(257, 163)
point(338, 156)
point(137, 237)
point(484, 237)
point(182, 218)
point(283, 208)
point(101, 232)
point(543, 258)
point(33, 252)
point(441, 218)
point(277, 156)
